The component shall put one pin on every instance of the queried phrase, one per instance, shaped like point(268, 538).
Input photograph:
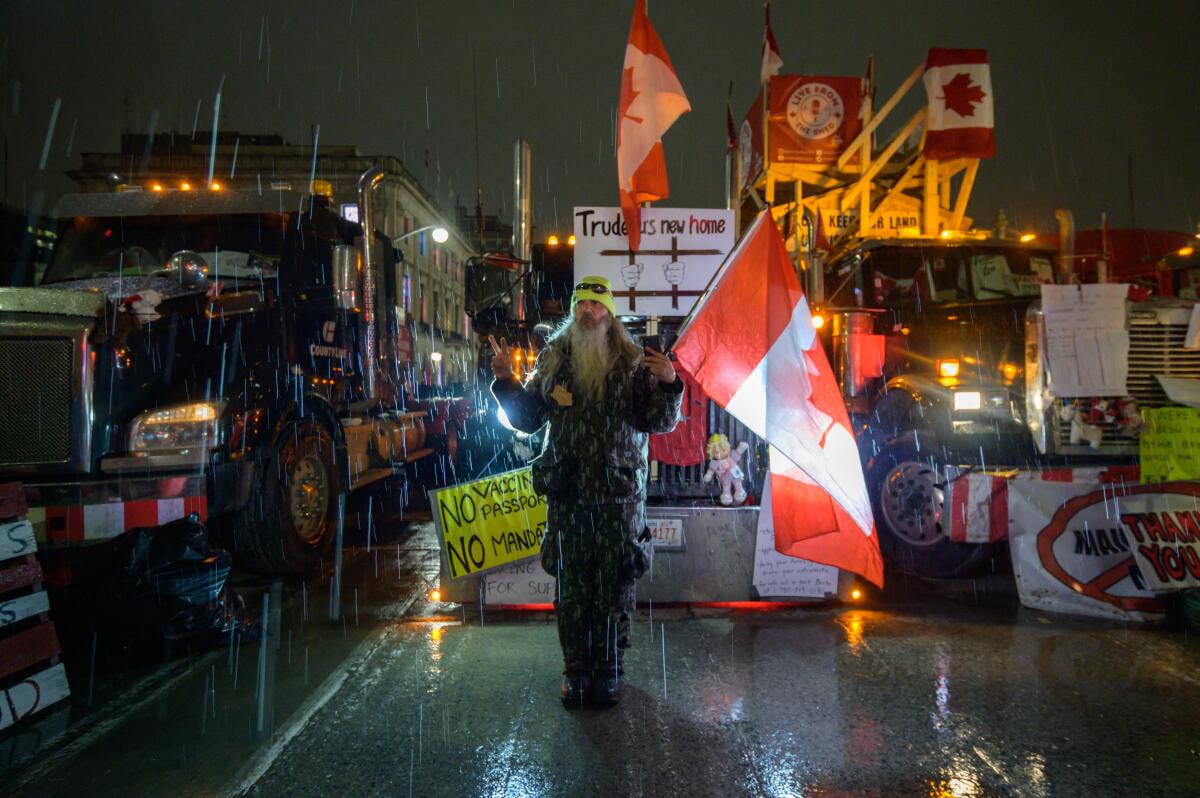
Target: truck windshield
point(242, 245)
point(958, 274)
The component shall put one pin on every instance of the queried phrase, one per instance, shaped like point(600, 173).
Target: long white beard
point(591, 359)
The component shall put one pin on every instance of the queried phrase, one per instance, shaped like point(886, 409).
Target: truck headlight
point(177, 428)
point(966, 400)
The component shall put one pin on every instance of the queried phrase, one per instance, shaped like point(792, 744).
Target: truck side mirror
point(489, 284)
point(347, 275)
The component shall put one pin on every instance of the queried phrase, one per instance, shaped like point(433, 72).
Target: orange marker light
point(856, 594)
point(948, 367)
point(552, 241)
point(435, 595)
point(818, 320)
point(1025, 239)
point(215, 186)
point(156, 187)
point(1185, 252)
point(186, 186)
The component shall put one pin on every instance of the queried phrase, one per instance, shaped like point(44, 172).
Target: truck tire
point(908, 498)
point(291, 518)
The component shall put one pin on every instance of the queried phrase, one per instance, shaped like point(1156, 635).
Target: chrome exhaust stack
point(370, 180)
point(1066, 244)
point(522, 200)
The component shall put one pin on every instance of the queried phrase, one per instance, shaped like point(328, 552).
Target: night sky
point(1080, 87)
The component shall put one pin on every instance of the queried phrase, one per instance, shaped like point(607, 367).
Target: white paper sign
point(777, 574)
point(680, 251)
point(523, 583)
point(1087, 345)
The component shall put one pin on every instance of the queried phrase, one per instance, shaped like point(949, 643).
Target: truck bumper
point(977, 502)
point(77, 511)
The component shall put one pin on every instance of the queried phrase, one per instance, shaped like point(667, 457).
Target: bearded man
point(602, 395)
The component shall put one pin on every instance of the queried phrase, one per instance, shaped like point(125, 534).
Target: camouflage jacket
point(593, 453)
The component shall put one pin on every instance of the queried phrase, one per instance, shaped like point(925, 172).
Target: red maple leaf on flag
point(825, 403)
point(627, 90)
point(961, 95)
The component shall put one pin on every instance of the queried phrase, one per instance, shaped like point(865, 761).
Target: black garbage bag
point(173, 585)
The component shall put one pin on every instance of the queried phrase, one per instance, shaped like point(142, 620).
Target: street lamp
point(440, 234)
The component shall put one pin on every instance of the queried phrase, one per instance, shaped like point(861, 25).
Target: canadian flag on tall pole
point(772, 61)
point(752, 346)
point(651, 100)
point(960, 117)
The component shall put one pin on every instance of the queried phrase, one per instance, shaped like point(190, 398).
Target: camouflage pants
point(590, 551)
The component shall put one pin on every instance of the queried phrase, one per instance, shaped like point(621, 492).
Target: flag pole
point(720, 270)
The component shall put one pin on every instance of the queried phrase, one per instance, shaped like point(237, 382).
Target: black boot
point(575, 689)
point(606, 687)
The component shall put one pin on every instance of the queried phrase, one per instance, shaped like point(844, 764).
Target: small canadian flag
point(960, 120)
point(651, 100)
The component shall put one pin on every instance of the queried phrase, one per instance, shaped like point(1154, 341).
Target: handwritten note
point(523, 583)
point(777, 574)
point(1087, 345)
point(1170, 444)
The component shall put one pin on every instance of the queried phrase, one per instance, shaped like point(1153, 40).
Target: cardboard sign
point(523, 583)
point(778, 574)
point(1169, 447)
point(488, 523)
point(1072, 548)
point(681, 249)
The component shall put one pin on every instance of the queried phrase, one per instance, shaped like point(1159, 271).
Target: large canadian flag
point(960, 120)
point(752, 346)
point(651, 100)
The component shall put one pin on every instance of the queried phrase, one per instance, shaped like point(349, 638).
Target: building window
point(424, 308)
point(407, 292)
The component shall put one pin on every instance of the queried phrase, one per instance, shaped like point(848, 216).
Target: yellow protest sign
point(489, 523)
point(1170, 444)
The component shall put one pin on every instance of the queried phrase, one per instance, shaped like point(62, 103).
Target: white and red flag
point(752, 346)
point(651, 100)
point(960, 120)
point(772, 61)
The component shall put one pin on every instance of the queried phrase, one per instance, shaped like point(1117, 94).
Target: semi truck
point(236, 355)
point(935, 328)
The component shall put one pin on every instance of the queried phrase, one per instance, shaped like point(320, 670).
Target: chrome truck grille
point(36, 402)
point(685, 482)
point(1155, 347)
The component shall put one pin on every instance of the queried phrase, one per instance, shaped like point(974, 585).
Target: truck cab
point(939, 347)
point(228, 354)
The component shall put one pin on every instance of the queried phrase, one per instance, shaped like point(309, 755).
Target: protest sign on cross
point(681, 249)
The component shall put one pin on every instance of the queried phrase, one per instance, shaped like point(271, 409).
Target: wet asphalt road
point(931, 691)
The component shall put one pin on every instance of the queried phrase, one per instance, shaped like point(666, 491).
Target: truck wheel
point(909, 497)
point(291, 518)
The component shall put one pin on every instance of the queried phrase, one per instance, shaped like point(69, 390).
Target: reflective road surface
point(925, 691)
